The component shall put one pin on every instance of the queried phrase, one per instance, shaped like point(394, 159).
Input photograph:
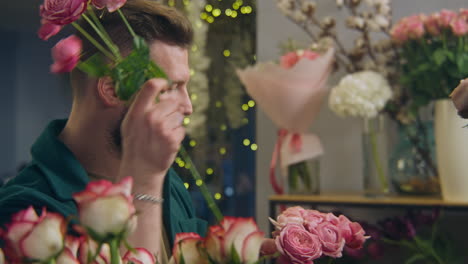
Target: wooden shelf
point(362, 201)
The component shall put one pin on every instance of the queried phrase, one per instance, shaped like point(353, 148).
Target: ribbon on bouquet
point(291, 148)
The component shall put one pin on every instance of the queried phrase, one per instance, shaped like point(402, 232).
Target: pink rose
point(331, 238)
point(244, 236)
point(106, 208)
point(399, 33)
point(312, 218)
point(432, 25)
point(459, 26)
point(352, 232)
point(309, 55)
point(463, 13)
point(292, 215)
point(66, 54)
point(48, 30)
point(460, 98)
point(62, 12)
point(415, 26)
point(31, 236)
point(111, 5)
point(290, 59)
point(446, 17)
point(139, 256)
point(298, 245)
point(188, 249)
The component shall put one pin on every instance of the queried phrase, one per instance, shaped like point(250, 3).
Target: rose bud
point(187, 249)
point(106, 209)
point(139, 256)
point(66, 54)
point(33, 237)
point(48, 30)
point(460, 98)
point(352, 232)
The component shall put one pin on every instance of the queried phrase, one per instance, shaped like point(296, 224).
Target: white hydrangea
point(361, 94)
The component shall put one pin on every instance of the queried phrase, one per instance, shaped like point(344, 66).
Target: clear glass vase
point(304, 177)
point(376, 182)
point(412, 162)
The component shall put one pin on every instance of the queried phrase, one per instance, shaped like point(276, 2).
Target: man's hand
point(151, 135)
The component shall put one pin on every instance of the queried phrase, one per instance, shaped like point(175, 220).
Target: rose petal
point(251, 247)
point(141, 255)
point(237, 233)
point(28, 214)
point(46, 239)
point(67, 257)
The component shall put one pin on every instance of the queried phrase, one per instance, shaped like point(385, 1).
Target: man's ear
point(106, 92)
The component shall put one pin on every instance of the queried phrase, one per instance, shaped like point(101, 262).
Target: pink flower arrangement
point(321, 234)
point(416, 26)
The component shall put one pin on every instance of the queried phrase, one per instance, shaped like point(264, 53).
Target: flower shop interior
point(335, 117)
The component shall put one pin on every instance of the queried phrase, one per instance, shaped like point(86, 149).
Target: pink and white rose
point(139, 256)
point(111, 5)
point(62, 12)
point(188, 249)
point(31, 236)
point(214, 243)
point(292, 215)
point(244, 236)
point(66, 54)
point(298, 245)
point(106, 208)
point(432, 25)
point(89, 247)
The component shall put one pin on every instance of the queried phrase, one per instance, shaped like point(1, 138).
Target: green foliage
point(134, 70)
point(94, 66)
point(432, 68)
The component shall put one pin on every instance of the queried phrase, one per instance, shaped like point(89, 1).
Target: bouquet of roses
point(291, 94)
point(434, 52)
point(106, 215)
point(303, 236)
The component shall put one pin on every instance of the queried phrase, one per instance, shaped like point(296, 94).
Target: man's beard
point(115, 135)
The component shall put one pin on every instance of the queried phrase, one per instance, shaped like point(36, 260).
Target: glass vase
point(412, 162)
point(376, 182)
point(303, 177)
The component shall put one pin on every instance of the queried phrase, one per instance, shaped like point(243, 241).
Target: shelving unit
point(359, 200)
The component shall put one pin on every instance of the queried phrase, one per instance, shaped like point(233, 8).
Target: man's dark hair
point(149, 19)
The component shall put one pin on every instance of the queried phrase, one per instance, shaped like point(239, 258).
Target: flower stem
point(114, 251)
point(130, 29)
point(107, 41)
point(93, 41)
point(98, 23)
point(204, 190)
point(376, 158)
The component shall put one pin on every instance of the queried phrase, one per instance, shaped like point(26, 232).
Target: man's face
point(174, 61)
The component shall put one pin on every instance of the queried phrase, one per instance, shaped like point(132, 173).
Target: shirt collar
point(62, 170)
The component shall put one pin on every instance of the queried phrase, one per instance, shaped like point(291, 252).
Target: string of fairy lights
point(209, 15)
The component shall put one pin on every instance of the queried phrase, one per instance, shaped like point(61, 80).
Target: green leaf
point(462, 64)
point(415, 258)
point(94, 66)
point(235, 258)
point(439, 56)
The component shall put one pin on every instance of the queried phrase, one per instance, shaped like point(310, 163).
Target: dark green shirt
point(54, 175)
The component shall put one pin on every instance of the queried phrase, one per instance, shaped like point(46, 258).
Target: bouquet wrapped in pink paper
point(291, 94)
